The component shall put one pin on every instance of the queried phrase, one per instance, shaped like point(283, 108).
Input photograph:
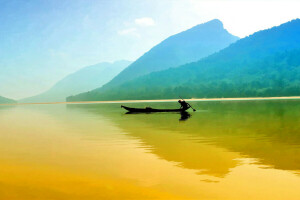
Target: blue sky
point(42, 41)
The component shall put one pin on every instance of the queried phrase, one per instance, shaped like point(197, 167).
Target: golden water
point(225, 150)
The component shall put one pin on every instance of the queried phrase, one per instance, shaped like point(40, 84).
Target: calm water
point(225, 150)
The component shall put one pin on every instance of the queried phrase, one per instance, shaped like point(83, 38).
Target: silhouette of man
point(184, 105)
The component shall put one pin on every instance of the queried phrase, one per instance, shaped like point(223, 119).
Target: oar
point(188, 103)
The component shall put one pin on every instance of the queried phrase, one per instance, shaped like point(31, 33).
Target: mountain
point(266, 63)
point(4, 100)
point(85, 79)
point(188, 46)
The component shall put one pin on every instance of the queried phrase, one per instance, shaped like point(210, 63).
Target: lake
point(224, 150)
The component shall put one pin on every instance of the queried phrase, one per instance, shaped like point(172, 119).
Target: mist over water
point(224, 150)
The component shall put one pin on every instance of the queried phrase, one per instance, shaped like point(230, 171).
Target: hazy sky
point(41, 41)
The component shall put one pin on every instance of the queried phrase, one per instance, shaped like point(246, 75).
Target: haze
point(43, 41)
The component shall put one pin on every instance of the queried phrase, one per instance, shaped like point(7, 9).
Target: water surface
point(225, 150)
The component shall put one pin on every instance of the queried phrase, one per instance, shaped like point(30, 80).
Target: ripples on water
point(233, 150)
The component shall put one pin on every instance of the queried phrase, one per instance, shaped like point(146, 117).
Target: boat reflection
point(183, 115)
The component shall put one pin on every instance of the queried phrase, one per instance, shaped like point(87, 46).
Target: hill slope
point(266, 63)
point(85, 79)
point(4, 100)
point(188, 46)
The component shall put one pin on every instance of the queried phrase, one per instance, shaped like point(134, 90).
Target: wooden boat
point(149, 110)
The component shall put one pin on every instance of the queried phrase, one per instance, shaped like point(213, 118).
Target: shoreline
point(162, 100)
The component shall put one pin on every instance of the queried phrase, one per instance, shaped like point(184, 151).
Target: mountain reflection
point(214, 139)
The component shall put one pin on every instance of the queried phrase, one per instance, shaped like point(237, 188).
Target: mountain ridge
point(184, 47)
point(265, 63)
point(4, 100)
point(85, 79)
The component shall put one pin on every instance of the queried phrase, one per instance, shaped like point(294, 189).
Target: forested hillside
point(266, 63)
point(187, 46)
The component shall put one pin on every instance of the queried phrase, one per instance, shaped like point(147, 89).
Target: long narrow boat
point(149, 110)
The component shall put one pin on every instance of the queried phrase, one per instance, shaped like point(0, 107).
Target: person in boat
point(184, 105)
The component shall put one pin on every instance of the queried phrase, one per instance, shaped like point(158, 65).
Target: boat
point(150, 110)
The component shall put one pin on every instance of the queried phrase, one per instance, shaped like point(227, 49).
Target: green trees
point(264, 64)
point(187, 46)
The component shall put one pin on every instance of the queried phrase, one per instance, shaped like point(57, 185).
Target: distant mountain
point(4, 100)
point(85, 79)
point(266, 63)
point(188, 46)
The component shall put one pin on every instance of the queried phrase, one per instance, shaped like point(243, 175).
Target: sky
point(42, 41)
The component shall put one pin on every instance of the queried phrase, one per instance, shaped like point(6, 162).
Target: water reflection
point(212, 142)
point(183, 115)
point(99, 152)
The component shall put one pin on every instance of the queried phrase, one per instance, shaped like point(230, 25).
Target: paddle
point(188, 103)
